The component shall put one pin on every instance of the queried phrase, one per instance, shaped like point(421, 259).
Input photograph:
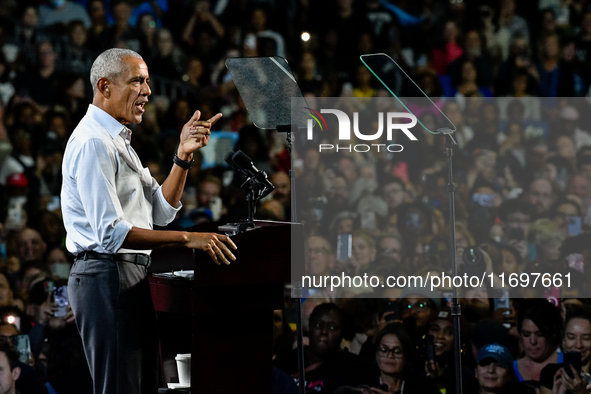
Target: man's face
point(563, 212)
point(8, 332)
point(579, 186)
point(129, 92)
point(58, 125)
point(282, 187)
point(46, 55)
point(491, 376)
point(318, 256)
point(207, 192)
point(122, 13)
point(7, 377)
point(566, 147)
point(164, 43)
point(540, 195)
point(147, 24)
point(325, 334)
point(339, 192)
point(30, 246)
point(508, 6)
point(390, 247)
point(417, 307)
point(549, 21)
point(97, 9)
point(517, 220)
point(393, 194)
point(30, 17)
point(78, 35)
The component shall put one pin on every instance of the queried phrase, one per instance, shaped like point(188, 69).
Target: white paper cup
point(183, 365)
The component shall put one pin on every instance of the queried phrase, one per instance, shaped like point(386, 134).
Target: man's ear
point(103, 86)
point(16, 373)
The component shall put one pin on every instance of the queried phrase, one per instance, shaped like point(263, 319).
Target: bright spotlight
point(305, 36)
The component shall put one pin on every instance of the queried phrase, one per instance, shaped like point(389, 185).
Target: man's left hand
point(195, 135)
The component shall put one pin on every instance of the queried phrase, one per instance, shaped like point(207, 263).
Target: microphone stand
point(252, 199)
point(296, 291)
point(455, 306)
point(254, 191)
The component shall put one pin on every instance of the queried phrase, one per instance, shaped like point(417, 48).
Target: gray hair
point(109, 64)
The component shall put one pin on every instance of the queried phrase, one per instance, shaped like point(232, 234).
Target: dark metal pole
point(455, 307)
point(297, 289)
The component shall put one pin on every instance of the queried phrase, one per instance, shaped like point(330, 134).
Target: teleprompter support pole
point(296, 291)
point(455, 307)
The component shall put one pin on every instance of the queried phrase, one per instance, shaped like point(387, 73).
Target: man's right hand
point(213, 244)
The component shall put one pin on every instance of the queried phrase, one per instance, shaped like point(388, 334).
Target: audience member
point(9, 369)
point(539, 327)
point(31, 246)
point(64, 12)
point(493, 372)
point(40, 82)
point(395, 355)
point(327, 366)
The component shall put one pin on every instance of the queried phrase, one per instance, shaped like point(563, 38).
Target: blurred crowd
point(514, 78)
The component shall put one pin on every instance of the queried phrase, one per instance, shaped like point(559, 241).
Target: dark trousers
point(116, 320)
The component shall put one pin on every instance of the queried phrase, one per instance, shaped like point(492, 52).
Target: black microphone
point(228, 159)
point(245, 163)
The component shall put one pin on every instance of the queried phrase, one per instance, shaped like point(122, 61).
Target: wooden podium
point(224, 317)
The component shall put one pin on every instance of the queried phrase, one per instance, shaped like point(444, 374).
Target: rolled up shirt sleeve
point(95, 181)
point(162, 212)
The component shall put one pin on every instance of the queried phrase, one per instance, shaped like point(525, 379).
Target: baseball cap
point(444, 314)
point(497, 352)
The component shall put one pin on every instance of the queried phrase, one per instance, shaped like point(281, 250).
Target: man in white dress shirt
point(110, 204)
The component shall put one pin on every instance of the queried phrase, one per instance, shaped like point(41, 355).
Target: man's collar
point(113, 127)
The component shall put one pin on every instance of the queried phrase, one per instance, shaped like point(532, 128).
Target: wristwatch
point(185, 165)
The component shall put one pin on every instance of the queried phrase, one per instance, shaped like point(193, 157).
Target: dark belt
point(134, 258)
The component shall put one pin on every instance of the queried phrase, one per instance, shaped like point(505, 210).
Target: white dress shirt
point(103, 195)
